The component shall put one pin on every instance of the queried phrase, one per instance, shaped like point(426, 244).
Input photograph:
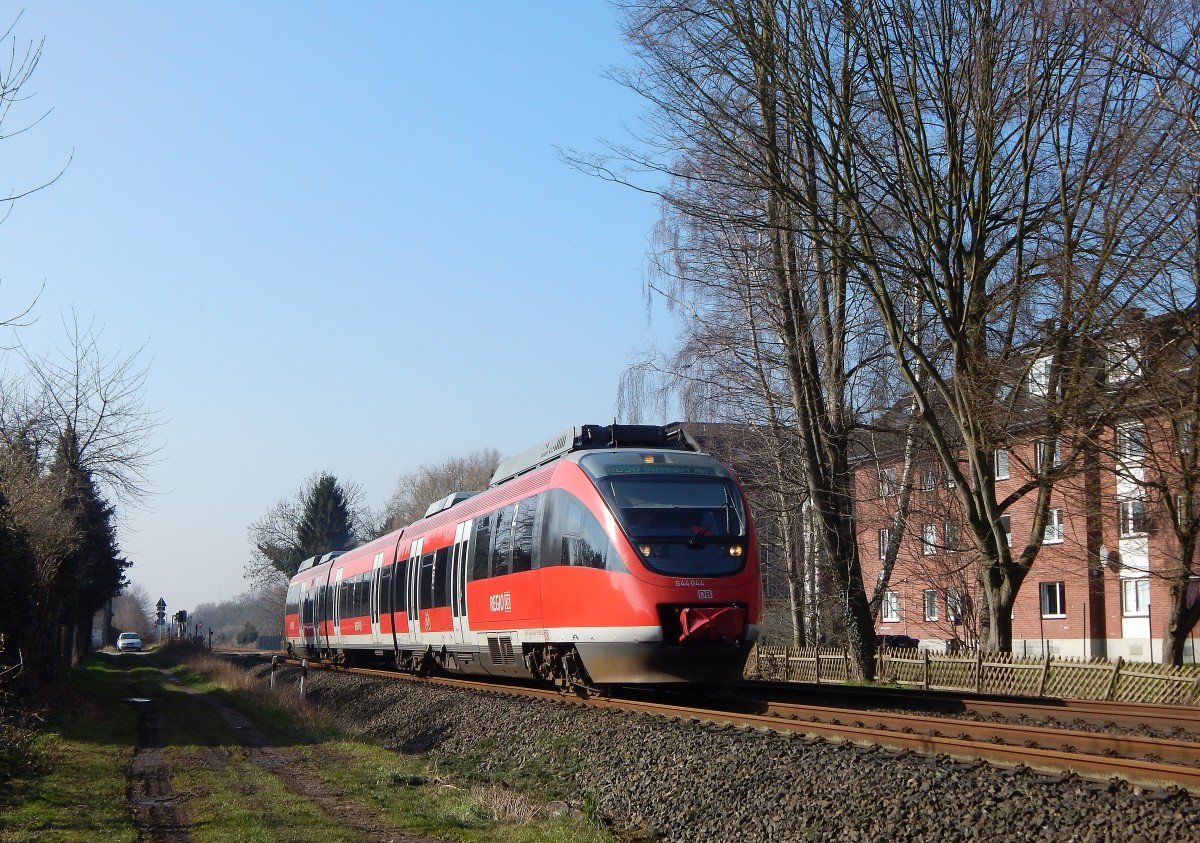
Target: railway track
point(1154, 762)
point(1094, 712)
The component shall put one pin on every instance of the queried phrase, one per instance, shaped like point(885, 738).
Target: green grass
point(78, 789)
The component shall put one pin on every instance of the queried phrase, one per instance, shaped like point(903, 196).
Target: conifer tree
point(318, 519)
point(327, 524)
point(94, 571)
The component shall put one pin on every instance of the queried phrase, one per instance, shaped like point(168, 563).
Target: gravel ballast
point(653, 778)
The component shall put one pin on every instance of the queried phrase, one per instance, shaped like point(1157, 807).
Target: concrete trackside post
point(303, 675)
point(274, 667)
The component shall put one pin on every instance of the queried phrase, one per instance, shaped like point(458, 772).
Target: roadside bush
point(18, 736)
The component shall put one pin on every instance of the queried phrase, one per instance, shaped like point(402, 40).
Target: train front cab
point(684, 535)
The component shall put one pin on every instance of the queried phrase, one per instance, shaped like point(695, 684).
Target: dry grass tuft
point(505, 806)
point(225, 674)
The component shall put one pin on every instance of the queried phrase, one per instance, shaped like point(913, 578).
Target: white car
point(128, 641)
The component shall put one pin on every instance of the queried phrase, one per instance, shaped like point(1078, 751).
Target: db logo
point(704, 594)
point(500, 602)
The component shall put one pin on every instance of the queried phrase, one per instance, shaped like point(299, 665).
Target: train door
point(458, 579)
point(398, 595)
point(335, 610)
point(414, 576)
point(308, 614)
point(376, 597)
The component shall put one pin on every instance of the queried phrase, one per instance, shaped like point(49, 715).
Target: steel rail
point(1096, 712)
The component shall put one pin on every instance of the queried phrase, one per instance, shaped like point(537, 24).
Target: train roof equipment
point(590, 437)
point(314, 561)
point(448, 501)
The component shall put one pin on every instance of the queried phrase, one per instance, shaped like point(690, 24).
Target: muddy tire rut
point(159, 811)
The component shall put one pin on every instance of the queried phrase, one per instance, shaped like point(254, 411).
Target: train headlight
point(736, 550)
point(645, 549)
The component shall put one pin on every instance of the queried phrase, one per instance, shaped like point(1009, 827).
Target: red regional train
point(610, 554)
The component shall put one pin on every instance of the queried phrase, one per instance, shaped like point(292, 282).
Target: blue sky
point(342, 232)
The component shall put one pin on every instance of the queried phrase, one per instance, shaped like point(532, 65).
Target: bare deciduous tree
point(279, 539)
point(99, 397)
point(416, 490)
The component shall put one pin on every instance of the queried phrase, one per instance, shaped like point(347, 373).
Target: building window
point(1184, 513)
point(1054, 600)
point(950, 533)
point(928, 478)
point(1133, 517)
point(891, 607)
point(1001, 464)
point(885, 539)
point(931, 604)
point(928, 539)
point(1039, 454)
point(1185, 430)
point(1039, 377)
point(887, 482)
point(1135, 597)
point(954, 605)
point(1123, 360)
point(1053, 533)
point(1006, 526)
point(1131, 442)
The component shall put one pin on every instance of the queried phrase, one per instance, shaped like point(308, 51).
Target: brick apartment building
point(1096, 588)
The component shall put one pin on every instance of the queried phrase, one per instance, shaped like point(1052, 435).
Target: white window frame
point(890, 611)
point(1053, 599)
point(1185, 436)
point(928, 478)
point(1131, 518)
point(1053, 531)
point(1000, 459)
point(951, 535)
point(928, 539)
point(1135, 591)
point(888, 486)
point(1039, 452)
point(930, 600)
point(1183, 513)
point(1039, 377)
point(954, 605)
point(1006, 525)
point(1124, 359)
point(1131, 442)
point(885, 538)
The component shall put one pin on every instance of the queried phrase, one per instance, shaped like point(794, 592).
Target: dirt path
point(153, 802)
point(156, 807)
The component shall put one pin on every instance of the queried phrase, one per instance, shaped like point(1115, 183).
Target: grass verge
point(79, 789)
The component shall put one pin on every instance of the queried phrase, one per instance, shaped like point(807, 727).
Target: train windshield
point(682, 512)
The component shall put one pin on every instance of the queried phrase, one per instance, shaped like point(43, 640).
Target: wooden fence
point(993, 673)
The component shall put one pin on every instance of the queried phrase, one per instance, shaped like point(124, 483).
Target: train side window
point(385, 590)
point(523, 532)
point(570, 535)
point(425, 580)
point(441, 580)
point(502, 541)
point(590, 548)
point(400, 592)
point(480, 563)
